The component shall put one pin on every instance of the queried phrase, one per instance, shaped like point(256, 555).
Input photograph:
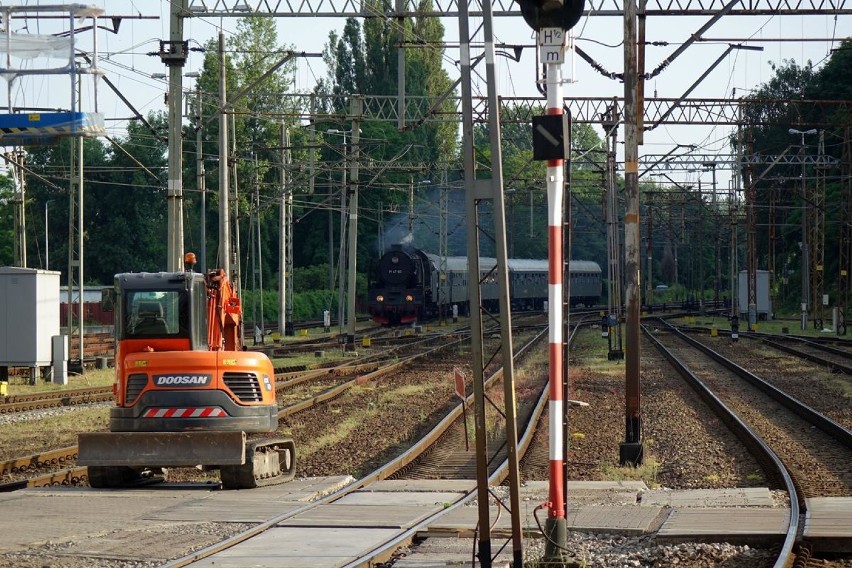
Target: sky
point(125, 60)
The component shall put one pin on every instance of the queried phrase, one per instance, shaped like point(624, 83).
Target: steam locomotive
point(405, 285)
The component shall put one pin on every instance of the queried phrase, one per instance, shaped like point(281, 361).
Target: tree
point(7, 234)
point(251, 53)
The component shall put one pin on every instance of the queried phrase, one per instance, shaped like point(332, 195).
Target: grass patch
point(93, 378)
point(590, 351)
point(340, 432)
point(307, 360)
point(394, 395)
point(647, 472)
point(791, 322)
point(34, 436)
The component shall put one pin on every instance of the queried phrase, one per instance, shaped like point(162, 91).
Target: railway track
point(54, 399)
point(802, 451)
point(836, 359)
point(309, 390)
point(402, 466)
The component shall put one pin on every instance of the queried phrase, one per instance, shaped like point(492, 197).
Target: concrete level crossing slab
point(614, 519)
point(744, 525)
point(733, 497)
point(415, 485)
point(367, 516)
point(589, 492)
point(299, 547)
point(213, 510)
point(430, 498)
point(625, 520)
point(828, 523)
point(448, 552)
point(253, 506)
point(46, 515)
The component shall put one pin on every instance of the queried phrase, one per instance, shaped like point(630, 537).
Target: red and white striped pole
point(552, 49)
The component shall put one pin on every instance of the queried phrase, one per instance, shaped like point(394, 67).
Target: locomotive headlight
point(380, 298)
point(409, 298)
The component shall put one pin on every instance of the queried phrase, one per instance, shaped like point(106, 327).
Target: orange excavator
point(187, 392)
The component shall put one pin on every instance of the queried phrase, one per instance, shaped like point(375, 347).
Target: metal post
point(474, 294)
point(610, 122)
point(700, 246)
point(507, 350)
point(845, 252)
point(353, 221)
point(173, 54)
point(717, 281)
point(259, 248)
point(46, 232)
point(81, 316)
point(224, 205)
point(805, 241)
point(341, 261)
point(555, 526)
point(649, 256)
point(20, 208)
point(410, 206)
point(235, 203)
point(805, 256)
point(631, 450)
point(284, 232)
point(442, 249)
point(200, 180)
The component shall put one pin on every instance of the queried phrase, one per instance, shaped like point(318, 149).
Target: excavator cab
point(186, 391)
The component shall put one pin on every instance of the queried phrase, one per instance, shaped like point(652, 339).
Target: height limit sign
point(551, 45)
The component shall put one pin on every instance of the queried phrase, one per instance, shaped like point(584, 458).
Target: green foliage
point(310, 297)
point(7, 235)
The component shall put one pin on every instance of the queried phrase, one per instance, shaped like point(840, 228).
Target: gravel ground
point(686, 447)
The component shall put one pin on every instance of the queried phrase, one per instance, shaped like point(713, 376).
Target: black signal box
point(548, 137)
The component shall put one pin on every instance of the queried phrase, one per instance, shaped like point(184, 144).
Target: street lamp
point(353, 238)
point(805, 255)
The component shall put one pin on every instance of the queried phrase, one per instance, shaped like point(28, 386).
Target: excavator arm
point(224, 313)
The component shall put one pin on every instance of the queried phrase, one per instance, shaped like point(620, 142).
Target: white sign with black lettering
point(551, 45)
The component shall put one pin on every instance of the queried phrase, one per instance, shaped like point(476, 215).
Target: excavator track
point(269, 461)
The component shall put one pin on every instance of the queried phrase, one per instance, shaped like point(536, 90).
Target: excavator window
point(156, 314)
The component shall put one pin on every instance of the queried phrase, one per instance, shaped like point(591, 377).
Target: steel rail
point(340, 389)
point(72, 476)
point(827, 425)
point(43, 395)
point(39, 461)
point(749, 437)
point(55, 402)
point(772, 341)
point(381, 473)
point(384, 551)
point(834, 366)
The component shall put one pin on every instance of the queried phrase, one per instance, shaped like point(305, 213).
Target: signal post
point(551, 143)
point(551, 43)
